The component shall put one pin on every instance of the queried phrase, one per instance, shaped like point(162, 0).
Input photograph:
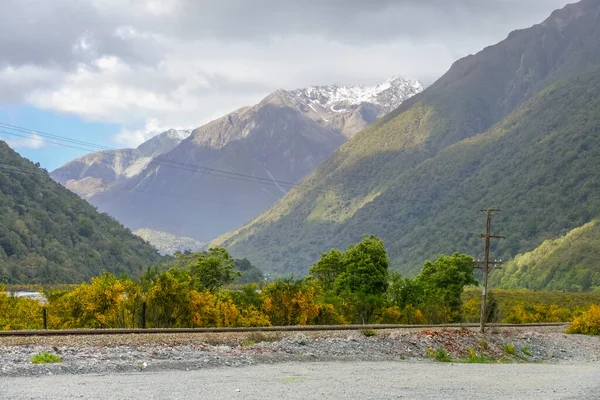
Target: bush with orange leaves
point(19, 313)
point(588, 323)
point(98, 304)
point(290, 302)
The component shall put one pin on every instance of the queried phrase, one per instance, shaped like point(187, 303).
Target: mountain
point(50, 235)
point(348, 109)
point(235, 167)
point(97, 172)
point(514, 125)
point(570, 262)
point(168, 244)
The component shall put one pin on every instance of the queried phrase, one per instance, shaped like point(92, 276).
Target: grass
point(510, 349)
point(368, 332)
point(480, 358)
point(247, 343)
point(45, 358)
point(440, 355)
point(259, 337)
point(483, 344)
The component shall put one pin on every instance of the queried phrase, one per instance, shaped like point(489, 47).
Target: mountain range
point(515, 125)
point(204, 183)
point(97, 172)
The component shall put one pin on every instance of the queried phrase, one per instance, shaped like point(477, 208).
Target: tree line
point(344, 287)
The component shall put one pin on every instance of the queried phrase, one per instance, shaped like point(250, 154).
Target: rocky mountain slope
point(235, 167)
point(96, 172)
point(50, 235)
point(497, 129)
point(168, 244)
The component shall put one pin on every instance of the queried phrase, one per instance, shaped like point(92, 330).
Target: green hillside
point(49, 235)
point(418, 177)
point(571, 262)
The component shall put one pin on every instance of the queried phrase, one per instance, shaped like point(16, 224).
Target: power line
point(76, 144)
point(90, 147)
point(46, 137)
point(50, 135)
point(42, 140)
point(13, 168)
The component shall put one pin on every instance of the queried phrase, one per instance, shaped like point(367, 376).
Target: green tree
point(403, 292)
point(249, 272)
point(366, 268)
point(357, 277)
point(214, 269)
point(328, 268)
point(443, 281)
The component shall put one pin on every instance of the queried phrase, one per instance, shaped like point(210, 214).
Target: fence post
point(44, 318)
point(144, 315)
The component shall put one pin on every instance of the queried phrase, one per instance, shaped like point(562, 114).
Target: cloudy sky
point(116, 72)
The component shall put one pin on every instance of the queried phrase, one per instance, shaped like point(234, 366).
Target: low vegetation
point(344, 287)
point(588, 323)
point(45, 358)
point(440, 355)
point(478, 358)
point(510, 349)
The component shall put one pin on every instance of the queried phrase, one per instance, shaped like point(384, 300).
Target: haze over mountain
point(515, 125)
point(235, 167)
point(167, 243)
point(96, 172)
point(50, 235)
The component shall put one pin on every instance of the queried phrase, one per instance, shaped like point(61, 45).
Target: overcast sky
point(121, 70)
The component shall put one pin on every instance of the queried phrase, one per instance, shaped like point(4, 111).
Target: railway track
point(303, 328)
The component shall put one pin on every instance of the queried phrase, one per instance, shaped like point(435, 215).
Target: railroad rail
point(299, 328)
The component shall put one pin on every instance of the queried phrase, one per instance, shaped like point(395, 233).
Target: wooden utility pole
point(486, 265)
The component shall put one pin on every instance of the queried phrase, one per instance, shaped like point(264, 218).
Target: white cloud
point(130, 138)
point(158, 64)
point(32, 142)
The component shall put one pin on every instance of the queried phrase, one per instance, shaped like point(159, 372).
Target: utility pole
point(486, 265)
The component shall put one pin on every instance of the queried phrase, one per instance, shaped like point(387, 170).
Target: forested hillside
point(571, 262)
point(482, 135)
point(48, 234)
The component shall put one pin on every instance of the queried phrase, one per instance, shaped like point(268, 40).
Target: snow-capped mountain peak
point(177, 134)
point(337, 98)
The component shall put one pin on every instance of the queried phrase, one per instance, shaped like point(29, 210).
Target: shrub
point(368, 332)
point(259, 337)
point(440, 355)
point(588, 323)
point(45, 358)
point(478, 358)
point(510, 349)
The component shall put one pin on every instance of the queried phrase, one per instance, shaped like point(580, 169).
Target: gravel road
point(311, 380)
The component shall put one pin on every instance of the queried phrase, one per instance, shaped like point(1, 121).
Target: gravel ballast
point(184, 352)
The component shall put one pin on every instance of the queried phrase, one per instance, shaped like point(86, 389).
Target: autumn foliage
point(352, 287)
